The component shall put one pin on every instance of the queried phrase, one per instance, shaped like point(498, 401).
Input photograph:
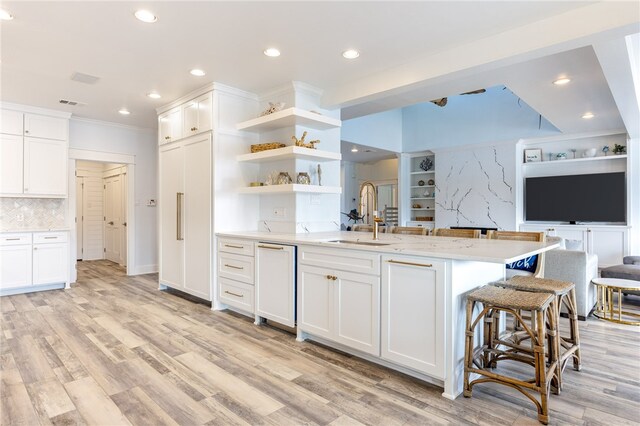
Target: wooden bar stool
point(494, 301)
point(566, 295)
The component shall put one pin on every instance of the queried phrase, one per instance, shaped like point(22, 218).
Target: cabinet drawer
point(341, 259)
point(50, 237)
point(229, 245)
point(236, 294)
point(236, 267)
point(15, 239)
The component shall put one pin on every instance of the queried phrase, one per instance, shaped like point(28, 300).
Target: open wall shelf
point(289, 153)
point(290, 189)
point(289, 117)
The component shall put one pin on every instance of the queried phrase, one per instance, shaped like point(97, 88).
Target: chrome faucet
point(376, 222)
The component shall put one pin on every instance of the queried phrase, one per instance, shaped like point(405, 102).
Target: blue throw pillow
point(527, 264)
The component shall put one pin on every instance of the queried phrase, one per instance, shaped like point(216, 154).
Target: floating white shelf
point(289, 153)
point(290, 189)
point(424, 186)
point(422, 208)
point(577, 160)
point(423, 172)
point(289, 117)
point(423, 198)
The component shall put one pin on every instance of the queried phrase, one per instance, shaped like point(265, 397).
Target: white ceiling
point(48, 41)
point(365, 154)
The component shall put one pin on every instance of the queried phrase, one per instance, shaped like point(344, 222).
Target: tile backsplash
point(32, 213)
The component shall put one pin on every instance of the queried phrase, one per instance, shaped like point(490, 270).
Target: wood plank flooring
point(114, 350)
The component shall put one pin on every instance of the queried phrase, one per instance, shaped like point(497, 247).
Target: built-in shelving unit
point(611, 157)
point(289, 153)
point(289, 117)
point(290, 189)
point(420, 191)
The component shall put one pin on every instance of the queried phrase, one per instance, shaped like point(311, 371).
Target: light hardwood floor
point(115, 350)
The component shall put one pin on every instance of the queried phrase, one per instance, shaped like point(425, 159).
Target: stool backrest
point(409, 230)
point(522, 236)
point(458, 233)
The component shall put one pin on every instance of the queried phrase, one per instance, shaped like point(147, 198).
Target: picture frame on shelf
point(533, 155)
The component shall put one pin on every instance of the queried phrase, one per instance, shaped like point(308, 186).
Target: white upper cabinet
point(11, 122)
point(45, 167)
point(11, 162)
point(170, 125)
point(42, 126)
point(196, 115)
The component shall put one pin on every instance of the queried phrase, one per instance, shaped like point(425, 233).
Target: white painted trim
point(561, 137)
point(437, 151)
point(218, 87)
point(145, 269)
point(103, 157)
point(34, 110)
point(112, 124)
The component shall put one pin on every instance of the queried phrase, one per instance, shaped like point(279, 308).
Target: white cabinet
point(197, 115)
point(340, 305)
point(45, 167)
point(275, 283)
point(185, 216)
point(15, 266)
point(236, 271)
point(413, 297)
point(42, 126)
point(33, 155)
point(11, 164)
point(50, 263)
point(170, 126)
point(609, 243)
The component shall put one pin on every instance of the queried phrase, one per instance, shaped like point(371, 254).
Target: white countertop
point(482, 250)
point(16, 231)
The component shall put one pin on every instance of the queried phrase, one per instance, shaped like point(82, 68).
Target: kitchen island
point(398, 301)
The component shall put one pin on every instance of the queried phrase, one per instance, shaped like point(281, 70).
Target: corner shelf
point(290, 189)
point(289, 117)
point(289, 153)
point(577, 160)
point(423, 172)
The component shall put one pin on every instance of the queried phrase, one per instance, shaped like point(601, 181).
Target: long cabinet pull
point(234, 294)
point(232, 246)
point(428, 265)
point(50, 238)
point(179, 197)
point(234, 267)
point(12, 239)
point(270, 247)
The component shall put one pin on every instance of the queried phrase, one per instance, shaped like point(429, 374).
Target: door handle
point(124, 224)
point(110, 223)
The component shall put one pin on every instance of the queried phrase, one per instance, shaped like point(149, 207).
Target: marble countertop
point(482, 250)
point(15, 231)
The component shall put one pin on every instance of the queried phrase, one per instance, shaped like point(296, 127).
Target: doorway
point(101, 211)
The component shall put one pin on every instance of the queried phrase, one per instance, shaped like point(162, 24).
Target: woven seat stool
point(493, 301)
point(566, 295)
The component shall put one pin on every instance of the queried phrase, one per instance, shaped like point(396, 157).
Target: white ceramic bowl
point(591, 152)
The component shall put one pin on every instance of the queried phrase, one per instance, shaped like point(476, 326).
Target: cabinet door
point(315, 301)
point(197, 217)
point(175, 116)
point(190, 118)
point(170, 126)
point(11, 122)
point(610, 245)
point(15, 266)
point(357, 311)
point(50, 263)
point(42, 126)
point(171, 232)
point(45, 167)
point(11, 164)
point(205, 113)
point(275, 283)
point(413, 299)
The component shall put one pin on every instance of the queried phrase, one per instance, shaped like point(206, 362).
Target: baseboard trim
point(144, 269)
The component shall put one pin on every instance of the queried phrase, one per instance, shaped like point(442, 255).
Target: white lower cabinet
point(15, 266)
point(236, 274)
point(275, 283)
point(50, 263)
point(413, 300)
point(339, 305)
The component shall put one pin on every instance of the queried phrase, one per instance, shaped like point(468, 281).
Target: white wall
point(382, 130)
point(142, 144)
point(493, 116)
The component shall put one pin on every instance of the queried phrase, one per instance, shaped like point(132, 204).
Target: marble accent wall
point(32, 213)
point(476, 187)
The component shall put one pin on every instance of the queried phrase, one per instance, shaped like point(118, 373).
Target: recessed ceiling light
point(124, 111)
point(588, 115)
point(272, 52)
point(354, 149)
point(350, 54)
point(154, 95)
point(562, 81)
point(197, 72)
point(5, 16)
point(145, 16)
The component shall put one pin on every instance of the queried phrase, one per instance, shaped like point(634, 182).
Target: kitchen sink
point(360, 243)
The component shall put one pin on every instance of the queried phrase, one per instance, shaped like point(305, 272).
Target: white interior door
point(79, 216)
point(112, 217)
point(93, 218)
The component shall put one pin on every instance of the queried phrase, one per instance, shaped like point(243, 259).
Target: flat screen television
point(599, 197)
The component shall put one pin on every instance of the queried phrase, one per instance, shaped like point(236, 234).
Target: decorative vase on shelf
point(589, 153)
point(561, 156)
point(284, 178)
point(303, 178)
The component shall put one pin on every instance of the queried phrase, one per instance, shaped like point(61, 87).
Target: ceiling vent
point(72, 103)
point(84, 78)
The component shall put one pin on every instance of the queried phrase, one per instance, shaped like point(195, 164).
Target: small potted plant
point(605, 149)
point(619, 149)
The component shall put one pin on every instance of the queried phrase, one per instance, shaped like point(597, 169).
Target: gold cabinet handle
point(332, 277)
point(193, 129)
point(179, 197)
point(12, 239)
point(270, 247)
point(234, 267)
point(167, 137)
point(232, 246)
point(428, 265)
point(50, 238)
point(234, 294)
